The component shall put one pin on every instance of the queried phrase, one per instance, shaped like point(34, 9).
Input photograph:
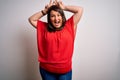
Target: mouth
point(57, 23)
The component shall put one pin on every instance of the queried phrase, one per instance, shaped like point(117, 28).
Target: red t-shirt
point(56, 48)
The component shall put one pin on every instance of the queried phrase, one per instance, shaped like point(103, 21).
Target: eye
point(58, 15)
point(52, 15)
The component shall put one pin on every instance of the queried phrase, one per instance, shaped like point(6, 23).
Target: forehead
point(54, 12)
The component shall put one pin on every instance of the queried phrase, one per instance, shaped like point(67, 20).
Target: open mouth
point(57, 23)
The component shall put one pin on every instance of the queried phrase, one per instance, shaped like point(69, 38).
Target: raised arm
point(77, 13)
point(76, 10)
point(35, 17)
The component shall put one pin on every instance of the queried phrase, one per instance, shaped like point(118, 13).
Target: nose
point(56, 17)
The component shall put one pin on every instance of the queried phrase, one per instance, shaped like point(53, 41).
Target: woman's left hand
point(60, 4)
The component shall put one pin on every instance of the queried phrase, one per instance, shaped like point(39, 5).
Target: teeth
point(57, 22)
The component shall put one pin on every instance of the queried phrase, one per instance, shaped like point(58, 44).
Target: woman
point(56, 39)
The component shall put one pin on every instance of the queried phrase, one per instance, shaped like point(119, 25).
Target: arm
point(76, 16)
point(76, 10)
point(77, 13)
point(35, 17)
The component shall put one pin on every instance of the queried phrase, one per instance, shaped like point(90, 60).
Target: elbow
point(80, 9)
point(29, 19)
point(32, 22)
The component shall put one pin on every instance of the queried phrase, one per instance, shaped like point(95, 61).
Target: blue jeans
point(52, 76)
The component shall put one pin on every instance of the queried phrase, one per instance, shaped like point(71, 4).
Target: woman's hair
point(50, 27)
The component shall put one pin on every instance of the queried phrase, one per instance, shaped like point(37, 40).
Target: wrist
point(44, 12)
point(65, 8)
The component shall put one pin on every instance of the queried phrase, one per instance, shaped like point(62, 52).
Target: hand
point(48, 6)
point(60, 4)
point(55, 2)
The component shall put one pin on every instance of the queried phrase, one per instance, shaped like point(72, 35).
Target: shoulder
point(41, 24)
point(70, 20)
point(70, 23)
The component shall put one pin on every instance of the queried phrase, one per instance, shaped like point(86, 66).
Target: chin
point(57, 27)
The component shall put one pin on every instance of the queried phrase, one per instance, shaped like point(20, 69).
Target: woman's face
point(56, 19)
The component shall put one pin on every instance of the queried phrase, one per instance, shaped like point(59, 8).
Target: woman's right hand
point(48, 6)
point(35, 17)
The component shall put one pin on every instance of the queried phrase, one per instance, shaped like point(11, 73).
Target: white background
point(97, 43)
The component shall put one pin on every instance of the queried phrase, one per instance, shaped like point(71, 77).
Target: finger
point(53, 3)
point(50, 2)
point(60, 1)
point(56, 2)
point(46, 6)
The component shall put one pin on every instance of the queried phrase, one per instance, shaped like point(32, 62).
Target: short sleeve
point(70, 21)
point(41, 25)
point(70, 25)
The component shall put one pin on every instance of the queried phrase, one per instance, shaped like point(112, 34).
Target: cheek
point(61, 18)
point(51, 19)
